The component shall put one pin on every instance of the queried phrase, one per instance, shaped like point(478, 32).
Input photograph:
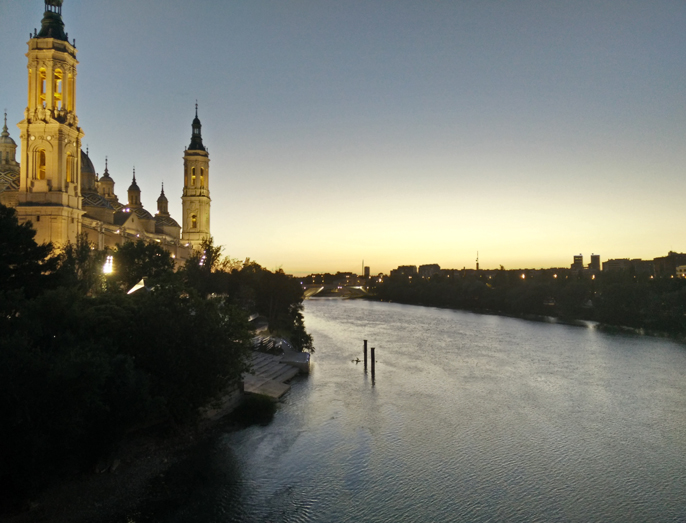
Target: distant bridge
point(332, 290)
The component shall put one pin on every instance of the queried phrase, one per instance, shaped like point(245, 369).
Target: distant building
point(619, 264)
point(405, 270)
point(427, 271)
point(366, 271)
point(595, 262)
point(681, 271)
point(578, 262)
point(666, 265)
point(638, 265)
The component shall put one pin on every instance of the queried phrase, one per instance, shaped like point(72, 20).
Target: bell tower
point(50, 180)
point(196, 192)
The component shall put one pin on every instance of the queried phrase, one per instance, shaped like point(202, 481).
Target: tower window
point(42, 78)
point(70, 92)
point(193, 176)
point(202, 177)
point(194, 221)
point(57, 88)
point(40, 168)
point(70, 168)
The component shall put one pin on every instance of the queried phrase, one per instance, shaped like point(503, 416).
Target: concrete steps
point(268, 376)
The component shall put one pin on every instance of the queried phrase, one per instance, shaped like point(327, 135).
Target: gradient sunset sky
point(398, 132)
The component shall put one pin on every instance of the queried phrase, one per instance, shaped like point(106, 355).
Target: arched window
point(194, 221)
point(202, 177)
point(57, 89)
point(193, 176)
point(40, 167)
point(43, 88)
point(70, 92)
point(70, 168)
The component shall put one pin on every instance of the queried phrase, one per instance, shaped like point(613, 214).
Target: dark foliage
point(253, 288)
point(24, 265)
point(614, 298)
point(82, 364)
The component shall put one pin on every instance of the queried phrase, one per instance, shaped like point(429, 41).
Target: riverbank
point(574, 322)
point(131, 478)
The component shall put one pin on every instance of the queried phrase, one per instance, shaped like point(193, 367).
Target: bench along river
point(470, 418)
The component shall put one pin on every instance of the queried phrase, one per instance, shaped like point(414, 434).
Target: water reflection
point(469, 418)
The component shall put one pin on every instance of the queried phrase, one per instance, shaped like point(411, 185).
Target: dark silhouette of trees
point(24, 265)
point(617, 298)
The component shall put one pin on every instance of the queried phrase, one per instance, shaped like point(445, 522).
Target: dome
point(87, 167)
point(162, 197)
point(134, 185)
point(106, 175)
point(87, 173)
point(5, 138)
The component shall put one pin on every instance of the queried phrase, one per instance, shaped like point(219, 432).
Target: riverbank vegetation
point(84, 365)
point(617, 298)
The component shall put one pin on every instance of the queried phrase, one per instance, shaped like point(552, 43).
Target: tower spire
point(52, 25)
point(196, 137)
point(5, 131)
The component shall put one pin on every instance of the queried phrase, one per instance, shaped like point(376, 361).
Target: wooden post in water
point(365, 355)
point(373, 362)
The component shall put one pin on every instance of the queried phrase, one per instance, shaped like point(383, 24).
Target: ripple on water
point(470, 418)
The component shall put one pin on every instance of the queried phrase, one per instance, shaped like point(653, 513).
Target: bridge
point(333, 290)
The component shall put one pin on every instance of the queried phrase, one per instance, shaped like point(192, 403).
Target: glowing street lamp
point(108, 267)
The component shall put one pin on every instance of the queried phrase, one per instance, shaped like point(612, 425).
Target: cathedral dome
point(87, 173)
point(87, 167)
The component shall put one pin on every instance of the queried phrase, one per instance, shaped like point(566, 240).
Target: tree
point(24, 265)
point(134, 261)
point(80, 265)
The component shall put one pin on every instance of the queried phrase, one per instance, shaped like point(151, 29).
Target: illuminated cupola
point(196, 189)
point(162, 204)
point(134, 193)
point(50, 183)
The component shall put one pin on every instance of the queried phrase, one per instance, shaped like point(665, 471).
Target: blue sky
point(391, 131)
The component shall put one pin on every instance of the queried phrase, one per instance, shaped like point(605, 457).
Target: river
point(470, 418)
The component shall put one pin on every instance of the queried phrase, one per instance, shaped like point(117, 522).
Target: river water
point(470, 418)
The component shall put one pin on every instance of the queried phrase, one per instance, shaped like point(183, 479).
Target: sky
point(389, 131)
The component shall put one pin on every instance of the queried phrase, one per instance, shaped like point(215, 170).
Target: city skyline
point(388, 131)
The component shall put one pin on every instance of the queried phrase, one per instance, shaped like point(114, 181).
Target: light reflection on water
point(470, 418)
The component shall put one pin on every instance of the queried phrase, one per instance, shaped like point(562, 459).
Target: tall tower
point(196, 191)
point(49, 184)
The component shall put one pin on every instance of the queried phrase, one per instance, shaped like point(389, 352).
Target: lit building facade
point(54, 184)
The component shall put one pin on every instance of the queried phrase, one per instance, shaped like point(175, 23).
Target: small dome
point(134, 185)
point(106, 175)
point(162, 197)
point(5, 137)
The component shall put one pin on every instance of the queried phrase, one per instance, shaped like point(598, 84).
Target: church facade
point(54, 184)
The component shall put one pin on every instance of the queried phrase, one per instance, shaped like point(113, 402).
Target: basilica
point(54, 184)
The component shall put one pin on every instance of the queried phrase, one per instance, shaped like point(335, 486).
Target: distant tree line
point(616, 298)
point(83, 364)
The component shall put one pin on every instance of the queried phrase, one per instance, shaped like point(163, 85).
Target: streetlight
point(108, 267)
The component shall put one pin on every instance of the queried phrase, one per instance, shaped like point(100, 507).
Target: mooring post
point(373, 362)
point(365, 354)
